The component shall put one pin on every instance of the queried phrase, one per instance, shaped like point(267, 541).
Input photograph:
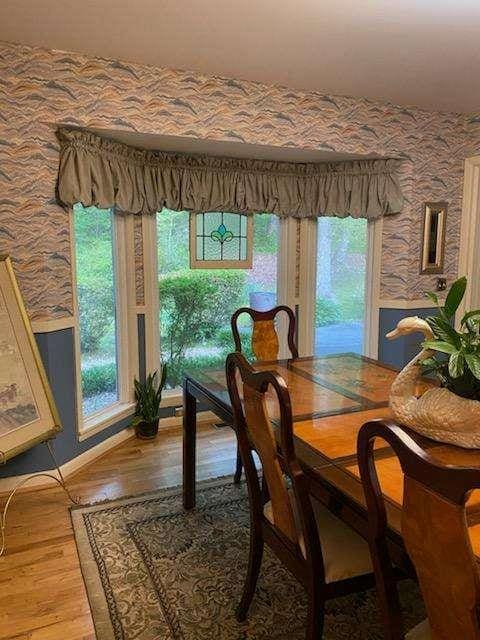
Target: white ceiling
point(418, 52)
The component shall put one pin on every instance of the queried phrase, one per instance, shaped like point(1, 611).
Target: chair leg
point(316, 612)
point(238, 470)
point(254, 564)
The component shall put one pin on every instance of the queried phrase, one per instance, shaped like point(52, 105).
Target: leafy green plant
point(327, 311)
point(456, 361)
point(99, 378)
point(148, 395)
point(97, 314)
point(195, 305)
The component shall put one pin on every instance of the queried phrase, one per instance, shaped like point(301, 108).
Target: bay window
point(105, 316)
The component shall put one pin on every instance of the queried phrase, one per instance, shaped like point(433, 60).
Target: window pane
point(221, 236)
point(341, 269)
point(96, 306)
point(196, 304)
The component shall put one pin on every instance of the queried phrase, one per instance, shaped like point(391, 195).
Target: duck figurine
point(438, 413)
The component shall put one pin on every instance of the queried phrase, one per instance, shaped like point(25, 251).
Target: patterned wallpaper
point(139, 279)
point(40, 89)
point(473, 124)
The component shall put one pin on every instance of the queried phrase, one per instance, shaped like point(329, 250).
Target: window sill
point(106, 418)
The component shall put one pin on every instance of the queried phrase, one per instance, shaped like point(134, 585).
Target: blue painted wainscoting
point(58, 354)
point(400, 351)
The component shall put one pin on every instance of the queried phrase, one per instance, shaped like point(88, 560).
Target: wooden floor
point(42, 595)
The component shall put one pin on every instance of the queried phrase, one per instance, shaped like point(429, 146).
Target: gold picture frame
point(433, 243)
point(199, 262)
point(28, 414)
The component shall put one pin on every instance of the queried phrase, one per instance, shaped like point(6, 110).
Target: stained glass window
point(221, 239)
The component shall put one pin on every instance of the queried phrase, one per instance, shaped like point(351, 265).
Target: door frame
point(469, 251)
point(307, 275)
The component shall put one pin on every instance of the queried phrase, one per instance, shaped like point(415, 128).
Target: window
point(342, 245)
point(196, 304)
point(102, 354)
point(220, 239)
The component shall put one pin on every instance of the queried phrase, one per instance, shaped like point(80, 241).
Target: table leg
point(189, 447)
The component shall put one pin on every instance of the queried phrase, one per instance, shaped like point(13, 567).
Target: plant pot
point(440, 415)
point(147, 430)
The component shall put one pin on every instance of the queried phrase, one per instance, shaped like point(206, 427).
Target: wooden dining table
point(332, 397)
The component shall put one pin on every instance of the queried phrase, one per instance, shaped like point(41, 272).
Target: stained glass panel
point(221, 237)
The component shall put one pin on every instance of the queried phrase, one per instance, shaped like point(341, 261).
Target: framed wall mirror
point(433, 245)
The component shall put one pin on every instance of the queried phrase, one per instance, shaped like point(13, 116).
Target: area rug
point(155, 572)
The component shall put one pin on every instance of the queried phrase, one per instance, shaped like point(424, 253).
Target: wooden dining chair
point(435, 533)
point(265, 344)
point(327, 557)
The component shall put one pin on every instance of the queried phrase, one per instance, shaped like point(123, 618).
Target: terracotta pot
point(147, 430)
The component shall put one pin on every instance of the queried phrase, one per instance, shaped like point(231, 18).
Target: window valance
point(102, 172)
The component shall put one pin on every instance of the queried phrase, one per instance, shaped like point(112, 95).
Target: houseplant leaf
point(456, 364)
point(443, 330)
point(455, 296)
point(432, 296)
point(473, 362)
point(469, 315)
point(439, 345)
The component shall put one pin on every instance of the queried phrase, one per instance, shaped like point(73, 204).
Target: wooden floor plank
point(42, 595)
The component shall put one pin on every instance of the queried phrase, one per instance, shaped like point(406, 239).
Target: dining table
point(332, 397)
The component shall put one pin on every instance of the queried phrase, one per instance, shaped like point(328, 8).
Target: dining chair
point(327, 557)
point(435, 534)
point(265, 344)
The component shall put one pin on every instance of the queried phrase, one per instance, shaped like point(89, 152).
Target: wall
point(58, 352)
point(399, 352)
point(40, 89)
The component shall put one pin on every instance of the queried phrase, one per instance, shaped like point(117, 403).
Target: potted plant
point(148, 395)
point(456, 354)
point(449, 412)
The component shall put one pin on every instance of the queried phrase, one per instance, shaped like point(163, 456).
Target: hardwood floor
point(42, 595)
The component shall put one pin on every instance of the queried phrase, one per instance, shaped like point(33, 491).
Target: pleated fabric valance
point(97, 171)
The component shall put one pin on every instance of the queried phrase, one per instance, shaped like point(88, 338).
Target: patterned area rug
point(156, 572)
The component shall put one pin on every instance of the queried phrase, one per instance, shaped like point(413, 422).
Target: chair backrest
point(255, 433)
point(434, 530)
point(265, 343)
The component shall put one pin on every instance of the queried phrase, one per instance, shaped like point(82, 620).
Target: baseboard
point(39, 481)
point(176, 421)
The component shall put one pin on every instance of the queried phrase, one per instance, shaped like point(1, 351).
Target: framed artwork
point(221, 240)
point(27, 410)
point(433, 245)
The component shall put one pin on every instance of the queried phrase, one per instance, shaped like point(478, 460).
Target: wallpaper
point(138, 241)
point(40, 89)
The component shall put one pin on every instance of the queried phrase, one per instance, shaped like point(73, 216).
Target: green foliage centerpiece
point(456, 358)
point(148, 395)
point(449, 412)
